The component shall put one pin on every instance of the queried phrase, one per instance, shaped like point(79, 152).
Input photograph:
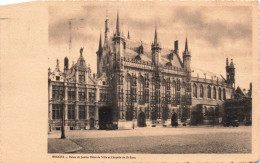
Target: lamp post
point(63, 118)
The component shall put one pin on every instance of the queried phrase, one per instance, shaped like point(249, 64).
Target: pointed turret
point(186, 57)
point(186, 45)
point(117, 24)
point(100, 44)
point(155, 36)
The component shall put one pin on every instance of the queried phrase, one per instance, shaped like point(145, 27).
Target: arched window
point(194, 90)
point(201, 91)
point(152, 90)
point(141, 89)
point(214, 93)
point(219, 94)
point(209, 91)
point(173, 93)
point(224, 94)
point(163, 92)
point(128, 89)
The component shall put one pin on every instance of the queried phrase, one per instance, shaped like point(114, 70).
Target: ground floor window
point(71, 112)
point(56, 111)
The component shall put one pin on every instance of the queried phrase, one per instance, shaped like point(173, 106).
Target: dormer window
point(57, 78)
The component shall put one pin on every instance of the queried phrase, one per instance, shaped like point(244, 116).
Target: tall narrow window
point(224, 94)
point(201, 91)
point(71, 112)
point(81, 76)
point(56, 111)
point(82, 112)
point(128, 89)
point(71, 93)
point(214, 93)
point(91, 110)
point(194, 90)
point(174, 93)
point(209, 91)
point(141, 90)
point(163, 90)
point(57, 92)
point(219, 94)
point(92, 96)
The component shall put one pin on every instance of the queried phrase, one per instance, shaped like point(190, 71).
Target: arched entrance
point(174, 120)
point(105, 118)
point(141, 122)
point(92, 123)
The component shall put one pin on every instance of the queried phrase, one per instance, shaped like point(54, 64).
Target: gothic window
point(194, 90)
point(201, 91)
point(183, 92)
point(224, 94)
point(71, 93)
point(134, 80)
point(71, 112)
point(128, 89)
point(82, 112)
point(214, 93)
point(153, 90)
point(178, 85)
point(91, 110)
point(163, 90)
point(56, 111)
point(174, 93)
point(92, 96)
point(141, 90)
point(219, 94)
point(209, 91)
point(82, 94)
point(168, 91)
point(146, 92)
point(57, 92)
point(81, 76)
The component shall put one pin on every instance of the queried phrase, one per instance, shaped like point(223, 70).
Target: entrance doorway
point(92, 123)
point(105, 118)
point(174, 120)
point(141, 122)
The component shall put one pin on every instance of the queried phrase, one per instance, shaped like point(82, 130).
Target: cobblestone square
point(185, 140)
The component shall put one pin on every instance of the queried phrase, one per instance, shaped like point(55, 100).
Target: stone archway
point(141, 121)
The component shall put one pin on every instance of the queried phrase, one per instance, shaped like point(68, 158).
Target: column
point(97, 94)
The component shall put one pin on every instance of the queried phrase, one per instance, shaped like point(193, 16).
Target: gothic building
point(136, 84)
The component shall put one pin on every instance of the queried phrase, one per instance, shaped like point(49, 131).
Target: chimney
point(94, 75)
point(66, 64)
point(176, 48)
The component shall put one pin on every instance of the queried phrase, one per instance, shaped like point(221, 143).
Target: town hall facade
point(136, 85)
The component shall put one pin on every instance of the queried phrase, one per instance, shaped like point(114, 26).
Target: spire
point(106, 25)
point(186, 45)
point(155, 35)
point(100, 44)
point(231, 64)
point(117, 25)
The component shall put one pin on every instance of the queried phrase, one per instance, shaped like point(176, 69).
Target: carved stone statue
point(81, 51)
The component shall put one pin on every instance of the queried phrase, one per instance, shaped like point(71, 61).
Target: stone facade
point(136, 84)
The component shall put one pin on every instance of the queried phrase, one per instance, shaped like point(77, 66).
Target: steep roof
point(132, 48)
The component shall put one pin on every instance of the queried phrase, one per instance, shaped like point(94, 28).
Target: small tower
point(119, 44)
point(227, 69)
point(186, 57)
point(232, 73)
point(99, 57)
point(156, 49)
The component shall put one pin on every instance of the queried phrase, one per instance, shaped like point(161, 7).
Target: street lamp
point(63, 118)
